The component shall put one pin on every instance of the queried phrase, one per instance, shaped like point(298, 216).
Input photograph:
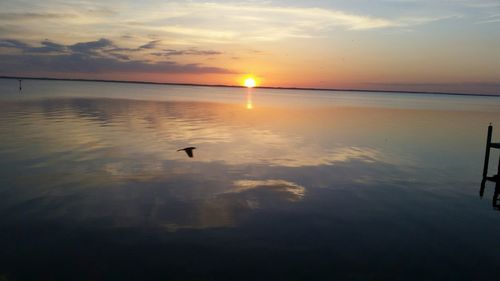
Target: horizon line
point(243, 87)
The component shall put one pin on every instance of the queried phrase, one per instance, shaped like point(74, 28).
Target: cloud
point(91, 47)
point(224, 22)
point(478, 4)
point(150, 45)
point(172, 52)
point(103, 47)
point(84, 64)
point(197, 22)
point(497, 20)
point(491, 18)
point(97, 56)
point(47, 46)
point(11, 43)
point(119, 56)
point(33, 16)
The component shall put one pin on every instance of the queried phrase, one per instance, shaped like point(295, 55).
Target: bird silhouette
point(188, 150)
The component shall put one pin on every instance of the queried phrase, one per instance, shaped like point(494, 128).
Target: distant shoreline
point(242, 87)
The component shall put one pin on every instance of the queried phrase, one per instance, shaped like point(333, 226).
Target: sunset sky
point(428, 45)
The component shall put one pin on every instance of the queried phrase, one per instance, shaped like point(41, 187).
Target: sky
point(424, 45)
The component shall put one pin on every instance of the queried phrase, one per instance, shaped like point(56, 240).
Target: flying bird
point(188, 150)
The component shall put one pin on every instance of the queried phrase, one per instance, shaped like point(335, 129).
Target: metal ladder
point(494, 178)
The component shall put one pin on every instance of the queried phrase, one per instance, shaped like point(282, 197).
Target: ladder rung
point(495, 144)
point(494, 178)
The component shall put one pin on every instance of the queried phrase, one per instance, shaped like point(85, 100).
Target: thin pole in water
point(487, 154)
point(497, 187)
point(20, 86)
point(486, 160)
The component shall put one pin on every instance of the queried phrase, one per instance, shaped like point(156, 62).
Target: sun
point(250, 82)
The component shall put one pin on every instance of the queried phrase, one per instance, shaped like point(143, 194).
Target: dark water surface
point(284, 185)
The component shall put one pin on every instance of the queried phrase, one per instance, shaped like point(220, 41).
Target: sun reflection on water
point(249, 99)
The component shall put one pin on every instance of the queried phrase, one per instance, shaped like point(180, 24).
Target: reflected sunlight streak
point(249, 99)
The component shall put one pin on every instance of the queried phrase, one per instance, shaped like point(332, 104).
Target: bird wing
point(188, 150)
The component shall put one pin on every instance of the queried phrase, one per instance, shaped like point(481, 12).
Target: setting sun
point(250, 82)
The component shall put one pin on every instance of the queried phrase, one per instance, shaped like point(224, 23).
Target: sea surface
point(283, 185)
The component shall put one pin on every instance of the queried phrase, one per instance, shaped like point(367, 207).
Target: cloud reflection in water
point(292, 192)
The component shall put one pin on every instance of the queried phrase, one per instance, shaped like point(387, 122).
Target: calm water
point(284, 185)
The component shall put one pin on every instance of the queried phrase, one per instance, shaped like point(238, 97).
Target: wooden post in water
point(487, 155)
point(497, 188)
point(497, 176)
point(486, 161)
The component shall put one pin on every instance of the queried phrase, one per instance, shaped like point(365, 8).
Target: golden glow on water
point(249, 99)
